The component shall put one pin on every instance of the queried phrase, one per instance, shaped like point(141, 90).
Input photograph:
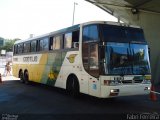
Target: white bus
point(101, 59)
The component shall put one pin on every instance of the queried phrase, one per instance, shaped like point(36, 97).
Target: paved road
point(37, 101)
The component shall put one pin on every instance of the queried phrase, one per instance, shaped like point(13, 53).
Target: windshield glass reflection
point(126, 58)
point(140, 59)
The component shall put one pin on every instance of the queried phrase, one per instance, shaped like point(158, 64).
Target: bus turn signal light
point(107, 82)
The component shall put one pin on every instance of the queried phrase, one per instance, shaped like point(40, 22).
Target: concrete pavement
point(8, 77)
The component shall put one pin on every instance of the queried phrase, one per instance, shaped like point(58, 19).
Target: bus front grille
point(131, 81)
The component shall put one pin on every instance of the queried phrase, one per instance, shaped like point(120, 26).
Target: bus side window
point(68, 40)
point(33, 46)
point(15, 49)
point(38, 45)
point(57, 42)
point(90, 50)
point(90, 33)
point(43, 44)
point(26, 47)
point(51, 43)
point(20, 48)
point(75, 39)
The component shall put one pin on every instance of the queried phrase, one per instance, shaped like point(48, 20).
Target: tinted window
point(75, 36)
point(68, 40)
point(85, 56)
point(113, 33)
point(33, 46)
point(75, 39)
point(90, 58)
point(40, 45)
point(140, 59)
point(118, 58)
point(20, 48)
point(125, 58)
point(135, 34)
point(43, 44)
point(26, 47)
point(90, 33)
point(15, 49)
point(93, 67)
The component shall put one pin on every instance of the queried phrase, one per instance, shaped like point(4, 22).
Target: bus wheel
point(72, 86)
point(21, 76)
point(26, 77)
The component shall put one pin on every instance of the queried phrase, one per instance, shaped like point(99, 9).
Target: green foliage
point(8, 44)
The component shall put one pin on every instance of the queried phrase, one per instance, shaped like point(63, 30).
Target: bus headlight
point(147, 88)
point(114, 92)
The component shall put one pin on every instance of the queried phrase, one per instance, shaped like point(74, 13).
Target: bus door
point(90, 57)
point(90, 63)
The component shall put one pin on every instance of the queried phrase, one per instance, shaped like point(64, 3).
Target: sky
point(20, 18)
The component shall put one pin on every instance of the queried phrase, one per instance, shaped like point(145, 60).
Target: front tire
point(73, 86)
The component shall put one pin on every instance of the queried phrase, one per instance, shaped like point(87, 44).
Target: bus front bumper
point(125, 90)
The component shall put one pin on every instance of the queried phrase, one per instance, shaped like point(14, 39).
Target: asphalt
point(36, 101)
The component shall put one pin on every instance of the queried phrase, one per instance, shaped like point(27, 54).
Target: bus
point(99, 58)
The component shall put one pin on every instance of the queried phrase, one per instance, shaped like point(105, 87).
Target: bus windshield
point(125, 58)
point(126, 51)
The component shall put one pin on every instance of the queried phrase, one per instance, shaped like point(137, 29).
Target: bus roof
point(49, 34)
point(76, 27)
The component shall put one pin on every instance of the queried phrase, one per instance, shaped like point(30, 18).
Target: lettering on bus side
point(15, 59)
point(30, 59)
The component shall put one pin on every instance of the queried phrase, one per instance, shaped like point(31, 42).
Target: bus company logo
point(30, 59)
point(15, 59)
point(71, 58)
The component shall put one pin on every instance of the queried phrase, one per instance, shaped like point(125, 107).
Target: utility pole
point(74, 12)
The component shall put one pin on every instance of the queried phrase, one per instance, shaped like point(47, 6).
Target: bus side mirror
point(75, 44)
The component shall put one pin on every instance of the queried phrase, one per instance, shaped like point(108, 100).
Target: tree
point(8, 45)
point(1, 41)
